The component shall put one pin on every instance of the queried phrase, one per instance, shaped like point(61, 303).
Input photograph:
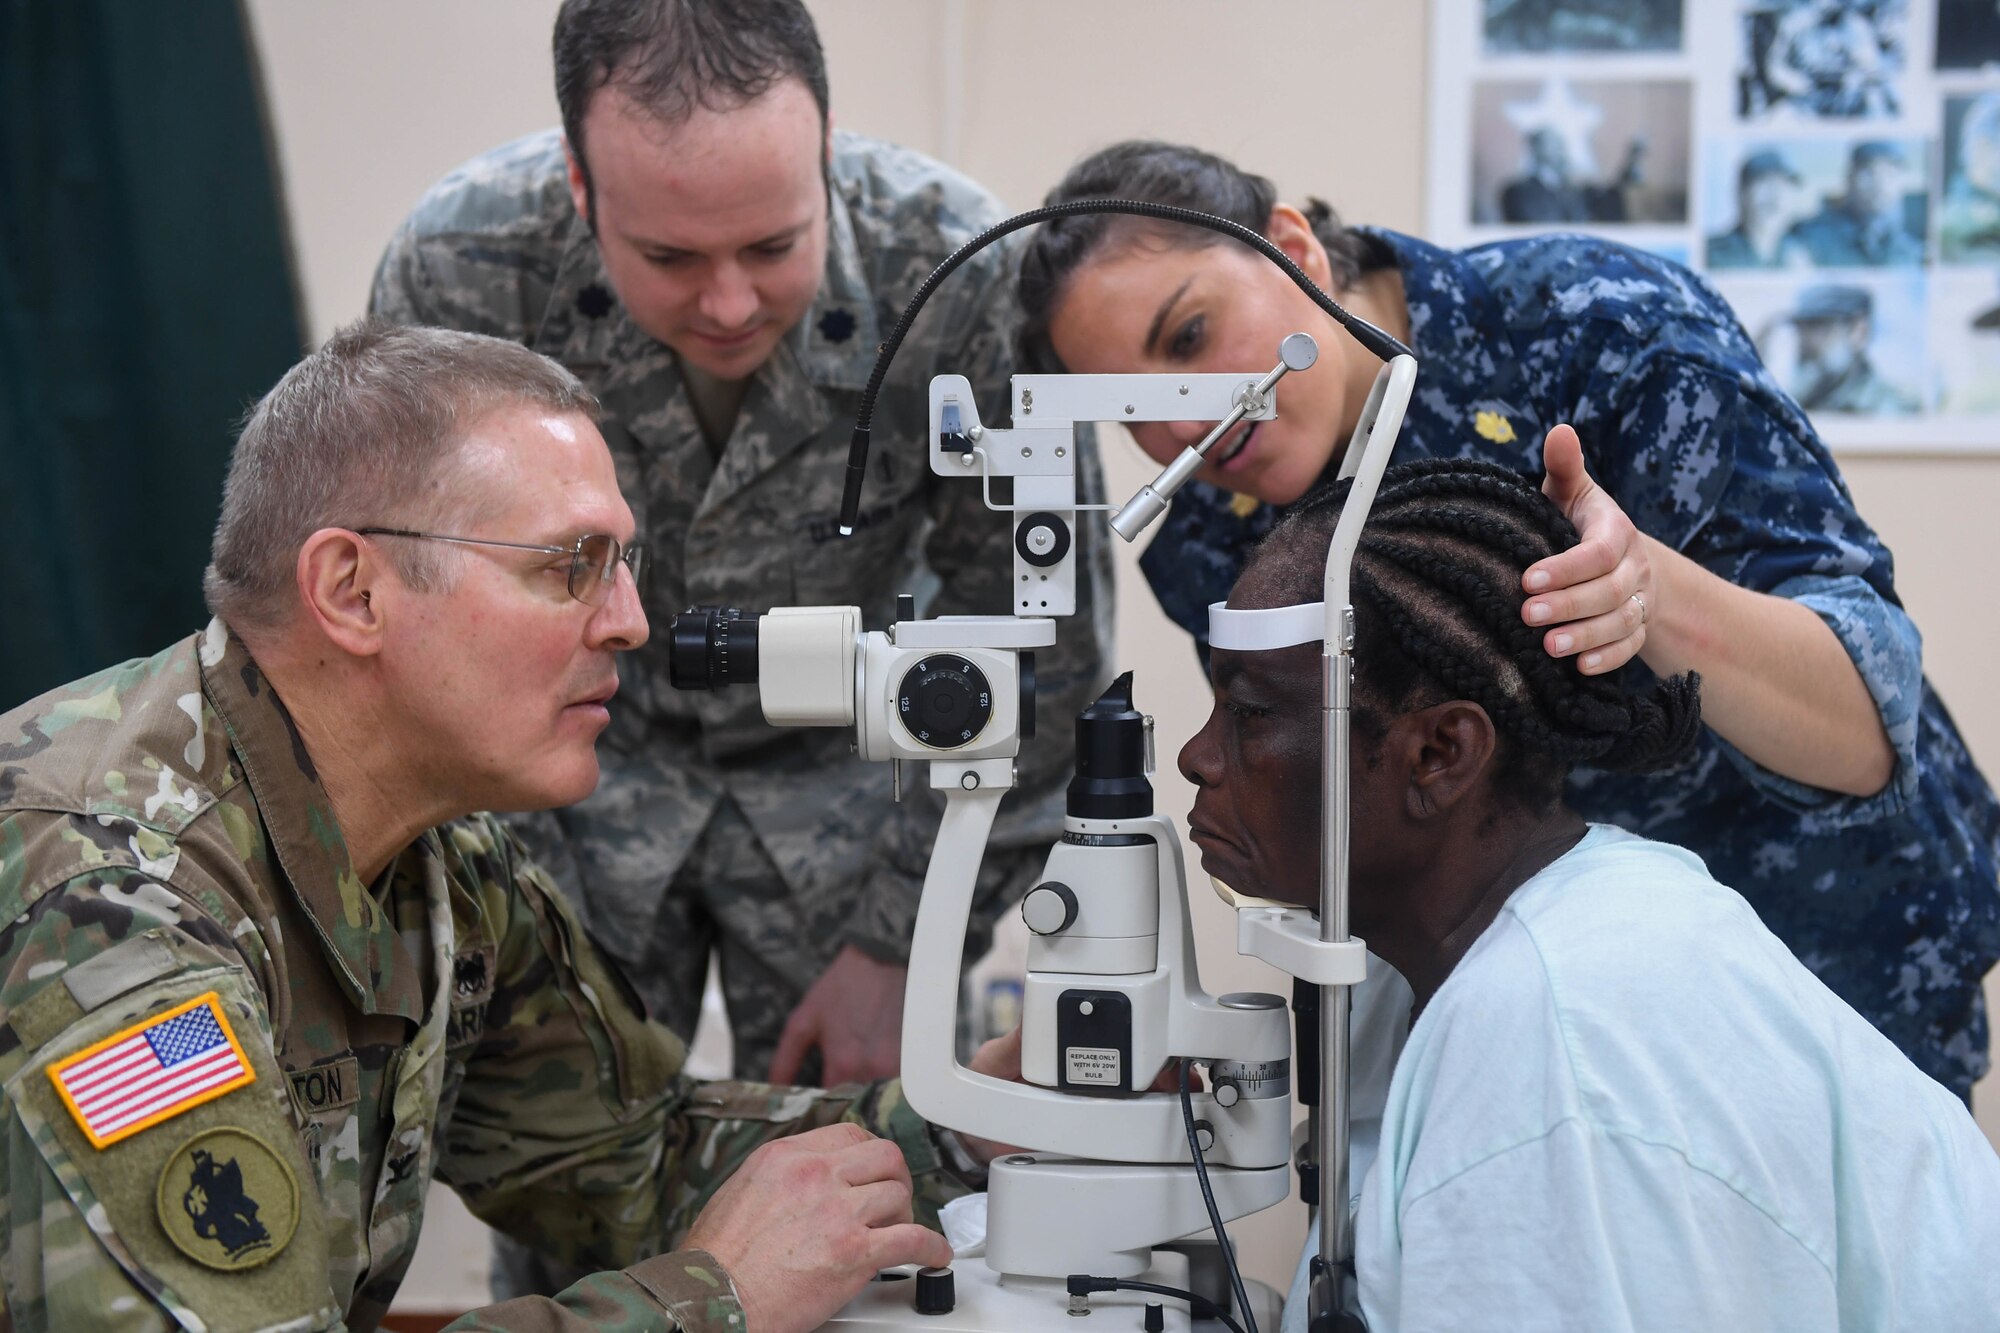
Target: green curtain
point(146, 299)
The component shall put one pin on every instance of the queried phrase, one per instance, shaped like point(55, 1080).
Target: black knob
point(1042, 539)
point(1049, 908)
point(935, 1294)
point(1156, 1317)
point(945, 701)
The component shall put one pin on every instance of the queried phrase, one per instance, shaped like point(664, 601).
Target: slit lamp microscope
point(1107, 1173)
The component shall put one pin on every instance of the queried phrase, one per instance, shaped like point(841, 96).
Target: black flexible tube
point(1199, 1306)
point(1375, 340)
point(1208, 1197)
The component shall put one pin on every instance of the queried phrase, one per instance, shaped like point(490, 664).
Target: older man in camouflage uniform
point(720, 268)
point(264, 977)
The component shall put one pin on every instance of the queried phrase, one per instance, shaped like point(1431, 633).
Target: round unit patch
point(227, 1200)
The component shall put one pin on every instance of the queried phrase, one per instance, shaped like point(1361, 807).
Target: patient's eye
point(1244, 710)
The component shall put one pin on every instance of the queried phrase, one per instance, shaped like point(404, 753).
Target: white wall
point(373, 99)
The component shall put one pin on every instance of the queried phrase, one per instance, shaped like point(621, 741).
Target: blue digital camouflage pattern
point(1891, 899)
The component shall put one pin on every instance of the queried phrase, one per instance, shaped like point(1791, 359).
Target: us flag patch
point(153, 1071)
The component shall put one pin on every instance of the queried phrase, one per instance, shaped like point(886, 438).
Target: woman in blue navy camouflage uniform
point(1831, 787)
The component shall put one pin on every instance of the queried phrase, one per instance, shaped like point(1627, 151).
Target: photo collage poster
point(1831, 166)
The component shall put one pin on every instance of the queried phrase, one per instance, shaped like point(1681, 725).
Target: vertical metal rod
point(1368, 451)
point(1336, 681)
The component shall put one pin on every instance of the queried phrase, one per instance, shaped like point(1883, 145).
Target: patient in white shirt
point(1622, 1103)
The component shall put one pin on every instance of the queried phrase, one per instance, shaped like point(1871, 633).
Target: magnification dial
point(944, 701)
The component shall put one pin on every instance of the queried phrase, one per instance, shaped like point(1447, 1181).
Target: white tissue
point(964, 1223)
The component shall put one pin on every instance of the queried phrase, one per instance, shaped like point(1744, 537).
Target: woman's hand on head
point(1595, 599)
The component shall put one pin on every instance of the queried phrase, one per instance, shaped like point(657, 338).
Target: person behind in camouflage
point(1836, 324)
point(265, 975)
point(1830, 786)
point(719, 268)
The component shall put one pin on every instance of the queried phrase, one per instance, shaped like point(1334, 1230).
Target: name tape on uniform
point(152, 1071)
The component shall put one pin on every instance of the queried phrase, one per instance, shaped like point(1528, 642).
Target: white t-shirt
point(1629, 1107)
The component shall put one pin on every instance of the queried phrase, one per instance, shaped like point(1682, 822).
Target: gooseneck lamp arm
point(1382, 344)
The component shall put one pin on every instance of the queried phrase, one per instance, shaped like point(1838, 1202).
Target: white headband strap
point(1259, 631)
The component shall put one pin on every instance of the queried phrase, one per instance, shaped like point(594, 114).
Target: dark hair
point(1160, 173)
point(676, 56)
point(1437, 611)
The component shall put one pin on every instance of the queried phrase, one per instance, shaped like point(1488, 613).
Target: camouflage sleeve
point(971, 550)
point(199, 1215)
point(575, 1132)
point(725, 1123)
point(689, 1286)
point(1716, 462)
point(1887, 651)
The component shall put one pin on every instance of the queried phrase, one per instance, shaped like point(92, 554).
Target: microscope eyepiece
point(712, 646)
point(1110, 781)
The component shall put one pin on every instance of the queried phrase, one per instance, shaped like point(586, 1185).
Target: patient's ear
point(1446, 751)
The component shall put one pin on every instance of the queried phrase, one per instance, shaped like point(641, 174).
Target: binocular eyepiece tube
point(957, 686)
point(712, 646)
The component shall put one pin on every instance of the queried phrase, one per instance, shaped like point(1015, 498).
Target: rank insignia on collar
point(227, 1200)
point(836, 326)
point(594, 301)
point(152, 1071)
point(1492, 426)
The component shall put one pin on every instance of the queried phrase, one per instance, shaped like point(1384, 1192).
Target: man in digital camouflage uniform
point(265, 976)
point(720, 268)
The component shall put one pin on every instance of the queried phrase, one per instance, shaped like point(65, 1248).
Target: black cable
point(1081, 1284)
point(1208, 1197)
point(1375, 340)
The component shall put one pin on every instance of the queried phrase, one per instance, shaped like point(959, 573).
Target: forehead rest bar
point(1241, 631)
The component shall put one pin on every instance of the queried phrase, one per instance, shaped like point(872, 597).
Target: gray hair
point(359, 433)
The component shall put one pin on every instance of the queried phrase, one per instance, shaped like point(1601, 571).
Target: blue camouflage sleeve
point(1707, 454)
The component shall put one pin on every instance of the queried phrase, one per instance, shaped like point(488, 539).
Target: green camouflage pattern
point(163, 834)
point(822, 856)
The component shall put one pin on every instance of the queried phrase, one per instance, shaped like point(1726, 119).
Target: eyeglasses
point(593, 560)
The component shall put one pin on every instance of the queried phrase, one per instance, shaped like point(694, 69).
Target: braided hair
point(1437, 606)
point(1160, 173)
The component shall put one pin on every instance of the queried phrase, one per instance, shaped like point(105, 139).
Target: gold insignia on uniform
point(227, 1200)
point(1492, 426)
point(1243, 505)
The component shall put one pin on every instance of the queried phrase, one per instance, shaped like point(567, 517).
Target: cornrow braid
point(1437, 593)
